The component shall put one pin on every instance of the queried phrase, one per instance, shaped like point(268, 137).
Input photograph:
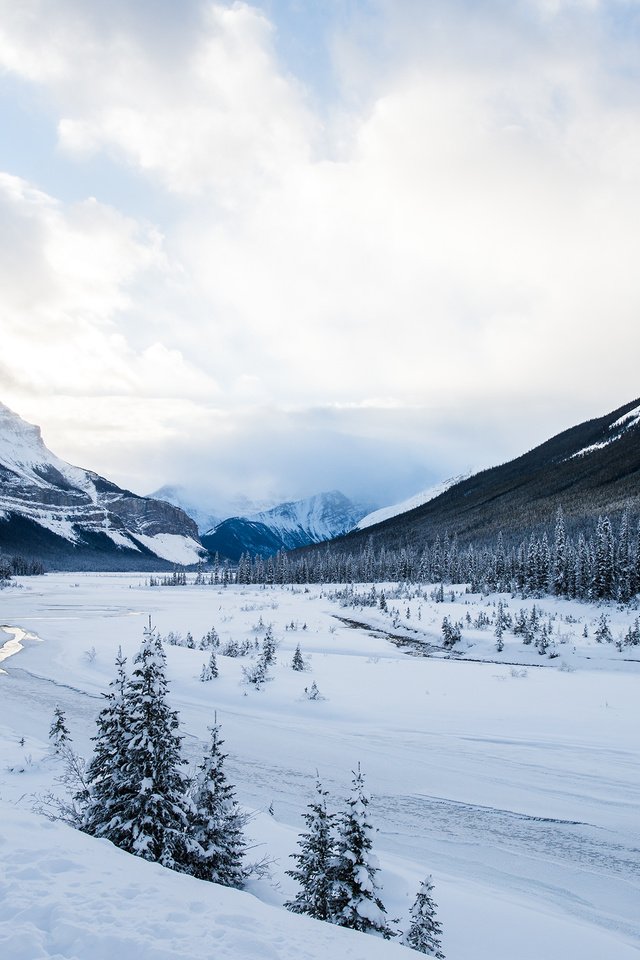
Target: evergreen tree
point(297, 662)
point(604, 560)
point(354, 898)
point(424, 932)
point(215, 827)
point(151, 816)
point(59, 736)
point(269, 648)
point(500, 563)
point(603, 633)
point(559, 576)
point(451, 633)
point(109, 755)
point(210, 669)
point(314, 870)
point(624, 567)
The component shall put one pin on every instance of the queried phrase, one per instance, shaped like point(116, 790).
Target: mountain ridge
point(293, 524)
point(67, 515)
point(589, 469)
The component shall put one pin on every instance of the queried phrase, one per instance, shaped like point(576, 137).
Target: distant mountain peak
point(294, 523)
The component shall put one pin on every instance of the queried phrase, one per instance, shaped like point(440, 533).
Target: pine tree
point(424, 931)
point(623, 561)
point(354, 898)
point(151, 816)
point(559, 575)
point(314, 870)
point(109, 755)
point(604, 574)
point(210, 669)
point(215, 822)
point(297, 663)
point(269, 648)
point(59, 736)
point(603, 633)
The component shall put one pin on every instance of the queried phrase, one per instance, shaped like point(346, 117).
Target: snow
point(23, 451)
point(512, 778)
point(624, 423)
point(311, 520)
point(629, 419)
point(54, 903)
point(120, 539)
point(418, 500)
point(172, 547)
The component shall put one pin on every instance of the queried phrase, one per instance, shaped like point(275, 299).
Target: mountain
point(385, 513)
point(74, 519)
point(205, 517)
point(208, 510)
point(590, 469)
point(285, 527)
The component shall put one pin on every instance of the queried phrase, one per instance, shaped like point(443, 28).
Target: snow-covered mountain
point(317, 518)
point(285, 527)
point(204, 516)
point(51, 509)
point(590, 470)
point(207, 509)
point(417, 500)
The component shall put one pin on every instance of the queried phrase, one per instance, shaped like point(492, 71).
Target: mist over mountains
point(73, 518)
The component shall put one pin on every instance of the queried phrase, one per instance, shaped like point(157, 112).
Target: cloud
point(441, 249)
point(68, 277)
point(215, 112)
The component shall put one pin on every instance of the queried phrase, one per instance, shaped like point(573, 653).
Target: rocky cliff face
point(52, 509)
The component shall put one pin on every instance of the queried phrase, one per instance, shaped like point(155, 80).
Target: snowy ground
point(511, 777)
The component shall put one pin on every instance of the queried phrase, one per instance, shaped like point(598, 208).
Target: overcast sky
point(278, 247)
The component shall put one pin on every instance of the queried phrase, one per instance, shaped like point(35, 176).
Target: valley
point(513, 778)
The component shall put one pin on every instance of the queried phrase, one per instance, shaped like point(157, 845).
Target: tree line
point(604, 565)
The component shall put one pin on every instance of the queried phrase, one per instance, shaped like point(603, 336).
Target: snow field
point(517, 787)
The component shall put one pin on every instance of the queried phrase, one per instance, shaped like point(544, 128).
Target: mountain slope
point(285, 527)
point(417, 500)
point(590, 469)
point(74, 518)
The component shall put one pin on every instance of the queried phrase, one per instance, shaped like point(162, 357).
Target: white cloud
point(221, 115)
point(444, 246)
point(68, 278)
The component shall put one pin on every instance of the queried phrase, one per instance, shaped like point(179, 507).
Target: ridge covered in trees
point(601, 565)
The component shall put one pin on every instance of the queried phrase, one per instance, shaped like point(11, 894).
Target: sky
point(267, 249)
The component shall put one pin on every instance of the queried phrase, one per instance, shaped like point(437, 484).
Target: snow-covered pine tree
point(424, 931)
point(354, 896)
point(210, 670)
point(603, 633)
point(314, 870)
point(150, 820)
point(559, 576)
point(215, 826)
point(104, 769)
point(297, 663)
point(59, 735)
point(604, 572)
point(72, 777)
point(269, 648)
